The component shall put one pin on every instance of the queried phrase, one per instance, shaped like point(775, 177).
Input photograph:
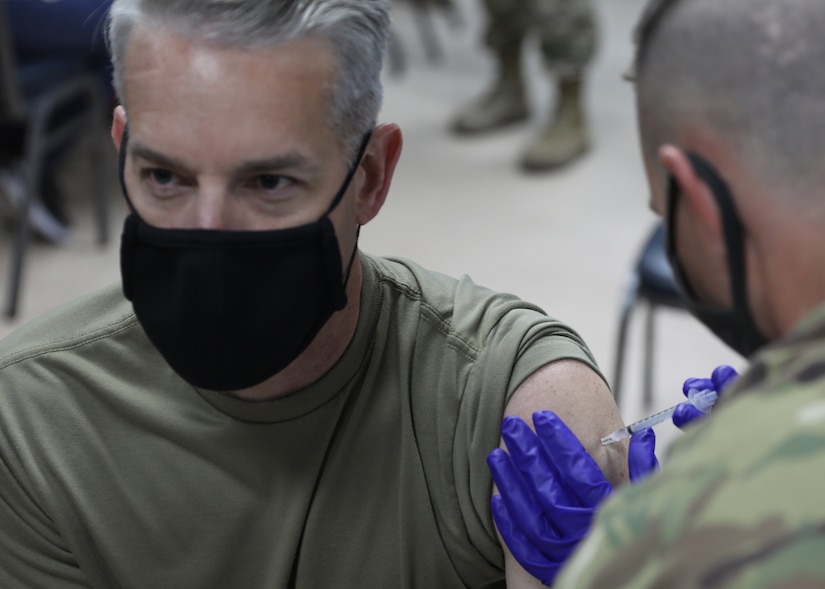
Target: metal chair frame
point(42, 134)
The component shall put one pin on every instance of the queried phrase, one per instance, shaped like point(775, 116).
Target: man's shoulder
point(90, 318)
point(444, 294)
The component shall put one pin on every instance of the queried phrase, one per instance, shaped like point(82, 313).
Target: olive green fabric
point(740, 503)
point(116, 473)
point(566, 29)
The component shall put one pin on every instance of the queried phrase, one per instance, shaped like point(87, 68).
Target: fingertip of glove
point(495, 457)
point(546, 420)
point(512, 424)
point(724, 375)
point(684, 414)
point(698, 384)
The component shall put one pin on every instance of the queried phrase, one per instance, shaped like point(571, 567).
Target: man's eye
point(161, 177)
point(270, 181)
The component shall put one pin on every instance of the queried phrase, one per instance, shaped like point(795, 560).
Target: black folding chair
point(53, 101)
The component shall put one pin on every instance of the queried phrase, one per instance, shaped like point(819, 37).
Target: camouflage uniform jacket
point(740, 502)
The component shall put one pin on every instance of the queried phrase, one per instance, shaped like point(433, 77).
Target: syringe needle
point(702, 400)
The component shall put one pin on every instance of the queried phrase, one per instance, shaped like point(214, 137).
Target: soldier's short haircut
point(752, 70)
point(356, 30)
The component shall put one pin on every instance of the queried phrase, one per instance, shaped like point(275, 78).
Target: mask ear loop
point(734, 243)
point(361, 151)
point(732, 227)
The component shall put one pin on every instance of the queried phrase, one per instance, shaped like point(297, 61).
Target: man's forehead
point(155, 45)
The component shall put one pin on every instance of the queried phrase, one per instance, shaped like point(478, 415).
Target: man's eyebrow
point(148, 154)
point(291, 160)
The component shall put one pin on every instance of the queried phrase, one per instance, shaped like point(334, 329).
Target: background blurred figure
point(568, 36)
point(61, 36)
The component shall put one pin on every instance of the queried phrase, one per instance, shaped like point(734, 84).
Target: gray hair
point(750, 70)
point(357, 31)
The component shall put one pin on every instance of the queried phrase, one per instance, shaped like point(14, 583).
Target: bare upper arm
point(579, 396)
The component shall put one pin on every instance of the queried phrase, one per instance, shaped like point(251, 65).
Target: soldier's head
point(732, 126)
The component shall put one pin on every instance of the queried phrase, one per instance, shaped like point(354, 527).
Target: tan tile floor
point(565, 241)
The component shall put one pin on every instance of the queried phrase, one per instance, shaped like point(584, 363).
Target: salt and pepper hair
point(356, 30)
point(750, 71)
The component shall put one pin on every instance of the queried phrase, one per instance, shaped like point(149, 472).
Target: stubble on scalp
point(750, 72)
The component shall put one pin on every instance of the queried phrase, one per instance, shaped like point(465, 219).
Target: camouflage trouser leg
point(566, 29)
point(507, 24)
point(568, 34)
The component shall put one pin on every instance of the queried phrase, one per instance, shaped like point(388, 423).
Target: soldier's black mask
point(734, 326)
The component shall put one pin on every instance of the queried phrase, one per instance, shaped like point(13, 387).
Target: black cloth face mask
point(734, 326)
point(230, 309)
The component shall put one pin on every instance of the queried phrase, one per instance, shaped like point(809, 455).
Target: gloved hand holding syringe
point(703, 400)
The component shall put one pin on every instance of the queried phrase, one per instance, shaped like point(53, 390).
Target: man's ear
point(378, 163)
point(118, 126)
point(696, 194)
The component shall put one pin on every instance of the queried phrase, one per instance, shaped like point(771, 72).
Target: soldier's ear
point(694, 191)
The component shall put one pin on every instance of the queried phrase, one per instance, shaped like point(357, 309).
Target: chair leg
point(650, 334)
point(22, 235)
point(99, 195)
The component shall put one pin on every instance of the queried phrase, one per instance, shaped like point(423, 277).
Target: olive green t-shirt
point(114, 472)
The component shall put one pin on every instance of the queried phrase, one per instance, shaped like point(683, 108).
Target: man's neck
point(322, 353)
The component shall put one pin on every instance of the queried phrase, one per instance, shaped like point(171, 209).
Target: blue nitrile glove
point(550, 488)
point(722, 377)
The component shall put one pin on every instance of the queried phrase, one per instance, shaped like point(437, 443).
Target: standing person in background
point(567, 34)
point(258, 403)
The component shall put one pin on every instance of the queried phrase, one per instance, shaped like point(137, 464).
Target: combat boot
point(503, 105)
point(565, 138)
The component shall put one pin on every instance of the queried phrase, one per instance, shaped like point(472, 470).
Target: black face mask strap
point(731, 227)
point(352, 256)
point(361, 150)
point(354, 168)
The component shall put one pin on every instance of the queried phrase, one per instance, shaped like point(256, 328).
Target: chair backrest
point(11, 101)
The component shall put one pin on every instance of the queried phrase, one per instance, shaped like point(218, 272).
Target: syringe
point(703, 400)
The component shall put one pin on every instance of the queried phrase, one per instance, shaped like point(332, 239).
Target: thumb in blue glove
point(722, 377)
point(549, 489)
point(641, 456)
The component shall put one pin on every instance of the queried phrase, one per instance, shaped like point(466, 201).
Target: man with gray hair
point(732, 124)
point(259, 404)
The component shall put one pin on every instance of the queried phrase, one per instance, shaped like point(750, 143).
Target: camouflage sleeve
point(738, 504)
